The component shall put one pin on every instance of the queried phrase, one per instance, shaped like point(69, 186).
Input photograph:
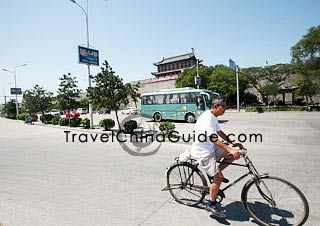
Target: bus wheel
point(190, 118)
point(157, 117)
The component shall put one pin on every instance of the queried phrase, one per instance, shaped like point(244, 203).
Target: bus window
point(175, 99)
point(167, 98)
point(146, 100)
point(183, 98)
point(193, 98)
point(159, 99)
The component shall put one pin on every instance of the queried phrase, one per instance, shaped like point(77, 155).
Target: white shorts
point(209, 164)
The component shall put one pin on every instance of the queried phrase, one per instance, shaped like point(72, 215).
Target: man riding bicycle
point(207, 152)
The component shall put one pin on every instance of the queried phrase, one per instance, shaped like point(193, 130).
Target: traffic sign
point(232, 65)
point(88, 56)
point(197, 80)
point(16, 91)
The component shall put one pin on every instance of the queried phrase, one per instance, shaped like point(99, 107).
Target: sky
point(133, 34)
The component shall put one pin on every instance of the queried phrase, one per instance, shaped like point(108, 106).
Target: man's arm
point(226, 148)
point(226, 138)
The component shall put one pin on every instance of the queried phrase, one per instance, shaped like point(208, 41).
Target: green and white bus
point(177, 104)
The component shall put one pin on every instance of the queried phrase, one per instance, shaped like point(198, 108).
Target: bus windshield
point(209, 97)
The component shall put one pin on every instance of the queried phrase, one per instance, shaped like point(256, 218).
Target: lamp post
point(197, 78)
point(15, 83)
point(88, 46)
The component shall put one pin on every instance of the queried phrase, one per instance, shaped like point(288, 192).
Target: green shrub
point(259, 109)
point(75, 122)
point(314, 108)
point(107, 123)
point(22, 116)
point(46, 118)
point(64, 122)
point(11, 116)
point(34, 117)
point(85, 123)
point(276, 108)
point(55, 120)
point(130, 126)
point(166, 127)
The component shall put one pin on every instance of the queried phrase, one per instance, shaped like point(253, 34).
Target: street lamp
point(88, 46)
point(197, 78)
point(15, 83)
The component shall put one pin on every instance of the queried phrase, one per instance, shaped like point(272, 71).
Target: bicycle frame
point(251, 171)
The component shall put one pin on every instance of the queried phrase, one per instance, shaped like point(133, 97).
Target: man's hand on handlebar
point(236, 154)
point(237, 145)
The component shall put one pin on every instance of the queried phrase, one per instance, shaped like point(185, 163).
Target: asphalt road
point(48, 181)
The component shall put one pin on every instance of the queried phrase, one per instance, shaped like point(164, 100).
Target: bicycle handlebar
point(243, 152)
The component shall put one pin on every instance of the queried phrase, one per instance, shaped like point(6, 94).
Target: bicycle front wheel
point(275, 201)
point(186, 187)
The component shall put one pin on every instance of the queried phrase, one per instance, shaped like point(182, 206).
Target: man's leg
point(226, 159)
point(214, 187)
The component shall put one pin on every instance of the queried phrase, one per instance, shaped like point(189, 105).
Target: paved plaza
point(46, 181)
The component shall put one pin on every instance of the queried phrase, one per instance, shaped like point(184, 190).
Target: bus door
point(206, 97)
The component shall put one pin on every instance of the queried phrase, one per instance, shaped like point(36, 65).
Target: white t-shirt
point(207, 124)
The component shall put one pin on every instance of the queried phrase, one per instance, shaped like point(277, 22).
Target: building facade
point(174, 66)
point(168, 70)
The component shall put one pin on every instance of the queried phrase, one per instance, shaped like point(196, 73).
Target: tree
point(133, 92)
point(109, 90)
point(186, 79)
point(270, 89)
point(265, 79)
point(307, 87)
point(218, 79)
point(83, 102)
point(10, 109)
point(68, 92)
point(37, 99)
point(306, 57)
point(223, 81)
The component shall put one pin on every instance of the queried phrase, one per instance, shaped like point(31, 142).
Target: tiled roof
point(176, 70)
point(175, 58)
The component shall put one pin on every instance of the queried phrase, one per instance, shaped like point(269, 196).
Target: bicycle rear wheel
point(186, 189)
point(275, 201)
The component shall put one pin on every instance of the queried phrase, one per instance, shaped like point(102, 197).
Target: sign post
point(234, 67)
point(197, 78)
point(89, 57)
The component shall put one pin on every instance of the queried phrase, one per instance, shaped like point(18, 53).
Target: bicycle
point(268, 199)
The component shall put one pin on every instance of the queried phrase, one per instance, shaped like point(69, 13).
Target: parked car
point(72, 114)
point(3, 114)
point(82, 111)
point(104, 111)
point(130, 110)
point(54, 112)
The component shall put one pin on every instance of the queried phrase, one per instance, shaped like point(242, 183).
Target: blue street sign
point(88, 56)
point(16, 91)
point(232, 65)
point(197, 80)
